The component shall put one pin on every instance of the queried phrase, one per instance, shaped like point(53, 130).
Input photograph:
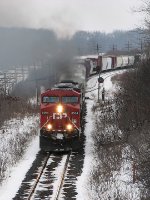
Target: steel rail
point(62, 177)
point(38, 178)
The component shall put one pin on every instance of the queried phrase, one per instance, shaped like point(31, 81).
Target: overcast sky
point(67, 16)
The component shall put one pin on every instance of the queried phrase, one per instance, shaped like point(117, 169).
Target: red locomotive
point(61, 117)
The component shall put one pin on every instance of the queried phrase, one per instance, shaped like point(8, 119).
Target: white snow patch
point(18, 172)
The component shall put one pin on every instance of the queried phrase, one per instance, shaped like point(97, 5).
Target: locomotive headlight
point(59, 108)
point(49, 127)
point(69, 127)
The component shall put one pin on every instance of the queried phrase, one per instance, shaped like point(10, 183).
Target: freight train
point(95, 64)
point(62, 105)
point(61, 114)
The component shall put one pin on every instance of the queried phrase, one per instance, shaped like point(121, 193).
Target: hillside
point(22, 46)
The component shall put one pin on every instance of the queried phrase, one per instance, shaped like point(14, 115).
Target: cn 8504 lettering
point(60, 126)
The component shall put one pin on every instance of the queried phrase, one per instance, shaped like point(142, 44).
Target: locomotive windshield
point(70, 99)
point(50, 99)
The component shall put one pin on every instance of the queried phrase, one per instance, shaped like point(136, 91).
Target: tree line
point(22, 46)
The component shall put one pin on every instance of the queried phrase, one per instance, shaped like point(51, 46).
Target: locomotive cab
point(60, 119)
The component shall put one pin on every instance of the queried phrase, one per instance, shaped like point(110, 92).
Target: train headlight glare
point(59, 108)
point(49, 126)
point(69, 127)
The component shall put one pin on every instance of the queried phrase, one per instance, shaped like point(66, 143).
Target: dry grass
point(13, 107)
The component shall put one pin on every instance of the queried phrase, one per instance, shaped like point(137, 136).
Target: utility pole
point(114, 48)
point(98, 49)
point(15, 75)
point(99, 90)
point(141, 45)
point(5, 82)
point(99, 74)
point(128, 46)
point(23, 73)
point(36, 85)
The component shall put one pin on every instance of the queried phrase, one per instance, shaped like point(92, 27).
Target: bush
point(133, 107)
point(122, 139)
point(14, 107)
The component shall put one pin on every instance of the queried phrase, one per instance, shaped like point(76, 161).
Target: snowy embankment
point(18, 149)
point(108, 171)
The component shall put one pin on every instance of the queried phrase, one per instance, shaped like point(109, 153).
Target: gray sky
point(67, 16)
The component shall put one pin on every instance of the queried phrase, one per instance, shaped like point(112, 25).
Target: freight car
point(111, 62)
point(106, 62)
point(61, 117)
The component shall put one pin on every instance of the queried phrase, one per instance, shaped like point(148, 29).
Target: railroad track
point(53, 175)
point(50, 179)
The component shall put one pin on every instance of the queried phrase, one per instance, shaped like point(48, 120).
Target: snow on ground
point(92, 86)
point(17, 173)
point(15, 135)
point(122, 180)
point(83, 185)
point(16, 127)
